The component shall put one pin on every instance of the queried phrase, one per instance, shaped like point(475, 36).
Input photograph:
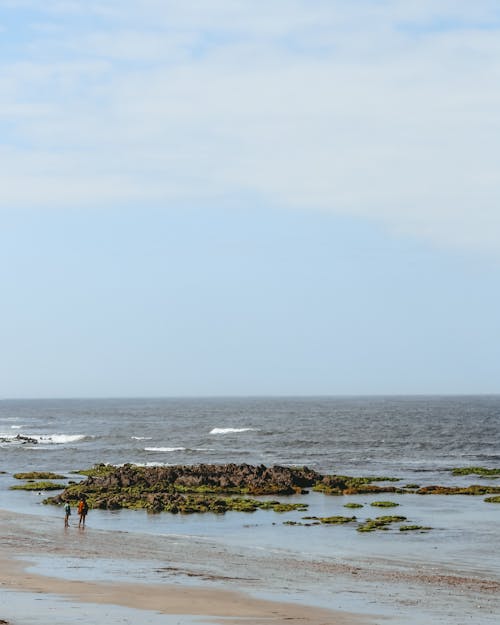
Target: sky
point(225, 197)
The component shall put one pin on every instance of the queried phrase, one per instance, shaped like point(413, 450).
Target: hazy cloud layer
point(384, 110)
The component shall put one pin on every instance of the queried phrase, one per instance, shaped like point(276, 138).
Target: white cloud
point(386, 111)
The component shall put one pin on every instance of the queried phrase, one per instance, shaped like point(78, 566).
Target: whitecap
point(141, 438)
point(16, 427)
point(164, 449)
point(58, 439)
point(152, 464)
point(230, 430)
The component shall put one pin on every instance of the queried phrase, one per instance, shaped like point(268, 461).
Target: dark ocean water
point(358, 435)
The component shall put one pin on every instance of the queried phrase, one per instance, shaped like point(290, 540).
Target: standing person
point(67, 514)
point(83, 508)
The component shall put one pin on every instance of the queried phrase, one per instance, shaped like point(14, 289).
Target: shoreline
point(188, 575)
point(167, 599)
point(210, 603)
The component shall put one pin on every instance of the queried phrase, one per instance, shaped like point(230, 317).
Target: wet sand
point(187, 575)
point(24, 536)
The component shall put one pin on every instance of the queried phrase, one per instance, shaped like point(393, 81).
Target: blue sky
point(245, 198)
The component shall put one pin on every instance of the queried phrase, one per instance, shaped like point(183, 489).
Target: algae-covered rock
point(336, 520)
point(353, 505)
point(38, 475)
point(493, 499)
point(482, 471)
point(384, 504)
point(414, 528)
point(219, 488)
point(475, 489)
point(38, 486)
point(330, 520)
point(189, 489)
point(345, 485)
point(380, 523)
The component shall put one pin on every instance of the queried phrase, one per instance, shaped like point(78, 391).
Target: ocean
point(416, 439)
point(401, 436)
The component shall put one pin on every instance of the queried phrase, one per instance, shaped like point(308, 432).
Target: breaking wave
point(59, 439)
point(231, 430)
point(164, 449)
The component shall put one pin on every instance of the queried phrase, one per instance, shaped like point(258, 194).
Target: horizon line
point(250, 396)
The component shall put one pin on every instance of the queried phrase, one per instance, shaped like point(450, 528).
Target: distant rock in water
point(18, 439)
point(26, 439)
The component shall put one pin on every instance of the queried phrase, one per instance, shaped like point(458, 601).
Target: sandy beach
point(171, 575)
point(24, 537)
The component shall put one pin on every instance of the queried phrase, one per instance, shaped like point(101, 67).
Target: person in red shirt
point(83, 508)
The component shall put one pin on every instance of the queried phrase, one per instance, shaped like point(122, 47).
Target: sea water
point(415, 439)
point(418, 437)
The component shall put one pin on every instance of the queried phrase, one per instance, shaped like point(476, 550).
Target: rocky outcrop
point(191, 488)
point(19, 439)
point(206, 487)
point(241, 478)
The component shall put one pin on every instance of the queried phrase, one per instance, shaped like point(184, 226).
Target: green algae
point(493, 499)
point(412, 486)
point(384, 504)
point(330, 520)
point(336, 520)
point(38, 475)
point(353, 505)
point(282, 507)
point(346, 485)
point(475, 489)
point(380, 523)
point(482, 471)
point(44, 485)
point(135, 498)
point(97, 470)
point(414, 528)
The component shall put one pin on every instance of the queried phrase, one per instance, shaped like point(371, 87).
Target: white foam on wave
point(58, 439)
point(16, 427)
point(152, 464)
point(141, 438)
point(164, 449)
point(230, 430)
